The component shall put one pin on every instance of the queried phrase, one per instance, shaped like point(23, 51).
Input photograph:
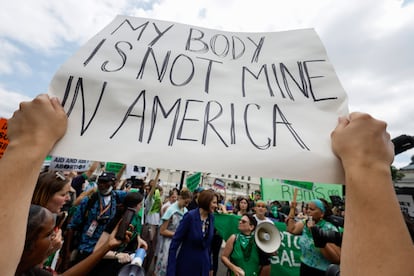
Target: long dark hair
point(37, 215)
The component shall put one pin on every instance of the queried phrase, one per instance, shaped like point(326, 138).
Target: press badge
point(92, 228)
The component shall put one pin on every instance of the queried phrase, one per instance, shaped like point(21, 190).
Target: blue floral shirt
point(312, 255)
point(88, 242)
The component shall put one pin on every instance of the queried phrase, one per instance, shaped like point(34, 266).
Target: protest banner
point(4, 141)
point(58, 163)
point(219, 184)
point(136, 171)
point(277, 189)
point(193, 181)
point(177, 96)
point(299, 184)
point(287, 260)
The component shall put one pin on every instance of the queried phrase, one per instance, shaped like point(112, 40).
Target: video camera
point(322, 237)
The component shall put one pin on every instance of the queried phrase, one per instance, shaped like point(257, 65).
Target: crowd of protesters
point(89, 205)
point(88, 235)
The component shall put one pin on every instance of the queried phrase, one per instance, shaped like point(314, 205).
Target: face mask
point(107, 192)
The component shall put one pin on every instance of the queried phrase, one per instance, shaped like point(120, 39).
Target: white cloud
point(8, 54)
point(7, 107)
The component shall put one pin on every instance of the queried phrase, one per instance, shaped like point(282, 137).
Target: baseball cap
point(107, 176)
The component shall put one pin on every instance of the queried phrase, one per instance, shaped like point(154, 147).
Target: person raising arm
point(33, 131)
point(368, 247)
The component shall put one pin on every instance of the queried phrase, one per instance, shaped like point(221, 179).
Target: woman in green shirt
point(241, 254)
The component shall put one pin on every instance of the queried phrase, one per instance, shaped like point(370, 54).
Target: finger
point(355, 115)
point(56, 103)
point(342, 122)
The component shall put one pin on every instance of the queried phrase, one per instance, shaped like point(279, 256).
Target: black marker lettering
point(121, 54)
point(208, 74)
point(190, 75)
point(263, 147)
point(94, 52)
point(160, 73)
point(156, 104)
point(262, 69)
point(128, 114)
point(303, 88)
point(190, 39)
point(207, 122)
point(305, 64)
point(79, 87)
point(180, 129)
point(276, 111)
point(142, 27)
point(234, 50)
point(213, 45)
point(259, 45)
point(160, 34)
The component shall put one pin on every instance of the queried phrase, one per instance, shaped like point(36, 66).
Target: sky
point(369, 43)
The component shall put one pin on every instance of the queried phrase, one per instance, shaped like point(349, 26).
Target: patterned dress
point(174, 216)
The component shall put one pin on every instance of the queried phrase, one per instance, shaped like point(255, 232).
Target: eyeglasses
point(242, 221)
point(261, 206)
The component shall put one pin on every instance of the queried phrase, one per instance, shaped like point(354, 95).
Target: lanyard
point(103, 210)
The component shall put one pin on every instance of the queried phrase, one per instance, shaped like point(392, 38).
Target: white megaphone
point(267, 237)
point(134, 268)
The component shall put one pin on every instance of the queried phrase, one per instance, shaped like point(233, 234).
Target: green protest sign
point(192, 181)
point(276, 189)
point(299, 184)
point(113, 167)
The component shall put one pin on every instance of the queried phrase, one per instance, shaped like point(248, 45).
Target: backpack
point(91, 202)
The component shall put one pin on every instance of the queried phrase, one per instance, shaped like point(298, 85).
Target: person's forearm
point(86, 265)
point(226, 261)
point(374, 215)
point(19, 169)
point(331, 252)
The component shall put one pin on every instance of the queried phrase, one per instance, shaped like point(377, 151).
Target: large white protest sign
point(175, 96)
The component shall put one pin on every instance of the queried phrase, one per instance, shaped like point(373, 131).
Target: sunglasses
point(242, 221)
point(60, 176)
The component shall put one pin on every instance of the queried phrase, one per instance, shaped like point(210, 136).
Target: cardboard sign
point(176, 96)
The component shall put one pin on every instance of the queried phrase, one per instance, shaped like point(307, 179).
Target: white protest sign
point(68, 164)
point(168, 95)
